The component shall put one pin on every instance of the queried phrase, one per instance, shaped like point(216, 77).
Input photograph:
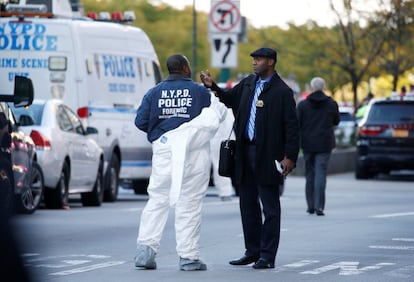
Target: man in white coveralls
point(180, 117)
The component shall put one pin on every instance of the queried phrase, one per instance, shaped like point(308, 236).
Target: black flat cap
point(265, 52)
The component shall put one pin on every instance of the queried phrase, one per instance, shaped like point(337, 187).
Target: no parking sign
point(225, 17)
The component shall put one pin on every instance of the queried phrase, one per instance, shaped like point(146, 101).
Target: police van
point(99, 68)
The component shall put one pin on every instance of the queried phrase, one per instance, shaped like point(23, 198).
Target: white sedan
point(71, 160)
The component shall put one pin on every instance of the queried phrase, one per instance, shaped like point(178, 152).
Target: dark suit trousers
point(261, 237)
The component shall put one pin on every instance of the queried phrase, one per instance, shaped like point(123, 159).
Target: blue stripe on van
point(136, 164)
point(112, 110)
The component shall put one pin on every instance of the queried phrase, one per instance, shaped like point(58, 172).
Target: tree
point(357, 47)
point(397, 57)
point(350, 46)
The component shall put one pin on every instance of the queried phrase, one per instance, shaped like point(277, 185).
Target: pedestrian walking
point(266, 130)
point(318, 115)
point(180, 117)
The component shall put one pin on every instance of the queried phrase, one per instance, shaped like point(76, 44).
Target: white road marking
point(132, 209)
point(347, 268)
point(66, 256)
point(88, 268)
point(403, 239)
point(30, 254)
point(301, 263)
point(294, 265)
point(393, 215)
point(404, 248)
point(65, 263)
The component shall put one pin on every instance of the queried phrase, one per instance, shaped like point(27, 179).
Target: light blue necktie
point(251, 125)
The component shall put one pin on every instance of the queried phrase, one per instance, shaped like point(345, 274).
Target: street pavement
point(366, 235)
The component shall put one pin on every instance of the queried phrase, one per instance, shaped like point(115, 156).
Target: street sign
point(225, 16)
point(223, 50)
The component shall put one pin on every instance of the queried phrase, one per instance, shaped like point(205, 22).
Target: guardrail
point(342, 160)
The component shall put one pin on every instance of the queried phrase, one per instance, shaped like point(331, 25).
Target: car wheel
point(112, 180)
point(58, 197)
point(140, 186)
point(30, 199)
point(361, 172)
point(95, 197)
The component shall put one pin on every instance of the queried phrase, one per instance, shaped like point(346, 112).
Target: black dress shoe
point(244, 260)
point(263, 264)
point(310, 211)
point(320, 212)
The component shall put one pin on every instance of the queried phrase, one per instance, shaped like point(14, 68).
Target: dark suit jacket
point(277, 129)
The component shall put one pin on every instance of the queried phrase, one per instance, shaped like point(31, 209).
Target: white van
point(101, 69)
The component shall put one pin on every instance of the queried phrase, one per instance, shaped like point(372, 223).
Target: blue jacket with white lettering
point(169, 104)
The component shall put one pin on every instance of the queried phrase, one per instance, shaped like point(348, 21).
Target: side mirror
point(91, 130)
point(23, 92)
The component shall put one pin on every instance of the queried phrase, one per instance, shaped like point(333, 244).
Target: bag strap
point(231, 131)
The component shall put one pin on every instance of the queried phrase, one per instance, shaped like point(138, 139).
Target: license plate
point(400, 133)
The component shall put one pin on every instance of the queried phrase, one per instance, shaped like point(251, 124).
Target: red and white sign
point(225, 17)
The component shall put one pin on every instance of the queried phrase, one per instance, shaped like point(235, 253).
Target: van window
point(148, 69)
point(58, 63)
point(157, 72)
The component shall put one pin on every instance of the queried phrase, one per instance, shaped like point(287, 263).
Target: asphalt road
point(366, 235)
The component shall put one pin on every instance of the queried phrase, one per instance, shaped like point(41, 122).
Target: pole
point(194, 68)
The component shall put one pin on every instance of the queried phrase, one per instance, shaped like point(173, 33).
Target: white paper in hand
point(279, 166)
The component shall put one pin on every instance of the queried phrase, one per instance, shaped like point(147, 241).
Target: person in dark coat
point(266, 129)
point(318, 115)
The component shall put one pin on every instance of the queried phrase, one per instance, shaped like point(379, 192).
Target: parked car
point(28, 175)
point(21, 178)
point(69, 156)
point(346, 129)
point(385, 139)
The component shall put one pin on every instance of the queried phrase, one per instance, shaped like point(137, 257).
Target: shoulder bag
point(226, 160)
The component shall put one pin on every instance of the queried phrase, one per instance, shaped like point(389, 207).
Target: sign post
point(224, 27)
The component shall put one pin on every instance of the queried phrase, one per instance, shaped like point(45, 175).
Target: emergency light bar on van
point(50, 9)
point(127, 16)
point(31, 8)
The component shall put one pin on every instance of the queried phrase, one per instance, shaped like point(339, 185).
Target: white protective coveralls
point(223, 184)
point(179, 179)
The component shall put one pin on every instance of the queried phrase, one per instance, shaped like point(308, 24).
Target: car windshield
point(346, 117)
point(392, 112)
point(33, 112)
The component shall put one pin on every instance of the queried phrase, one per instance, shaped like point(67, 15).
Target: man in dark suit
point(266, 129)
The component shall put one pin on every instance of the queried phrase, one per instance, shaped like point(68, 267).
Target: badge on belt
point(260, 104)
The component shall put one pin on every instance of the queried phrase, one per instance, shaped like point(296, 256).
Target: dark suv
point(385, 139)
